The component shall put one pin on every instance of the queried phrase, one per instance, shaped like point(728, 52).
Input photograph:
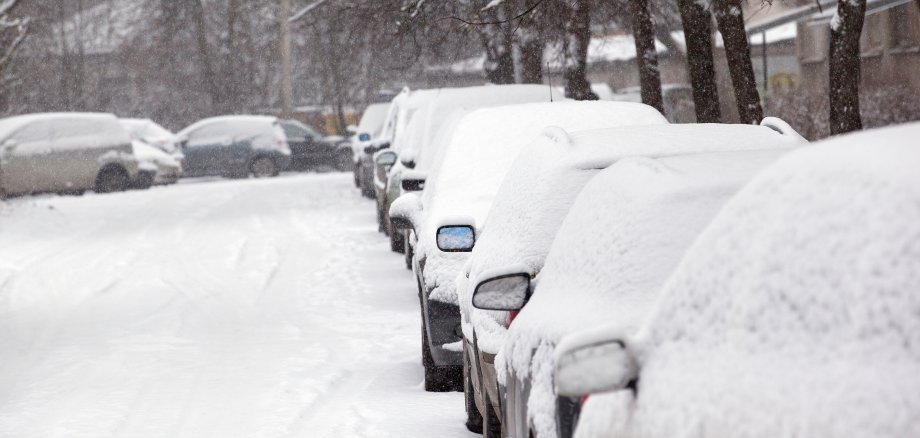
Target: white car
point(153, 134)
point(464, 178)
point(794, 314)
point(622, 237)
point(156, 167)
point(538, 192)
point(369, 127)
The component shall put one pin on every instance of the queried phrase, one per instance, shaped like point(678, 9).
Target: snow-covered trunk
point(646, 55)
point(698, 35)
point(530, 45)
point(738, 52)
point(575, 49)
point(497, 42)
point(844, 66)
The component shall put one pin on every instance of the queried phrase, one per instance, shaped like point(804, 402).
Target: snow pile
point(544, 180)
point(623, 236)
point(466, 174)
point(796, 312)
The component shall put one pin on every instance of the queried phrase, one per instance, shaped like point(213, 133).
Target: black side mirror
point(412, 184)
point(505, 292)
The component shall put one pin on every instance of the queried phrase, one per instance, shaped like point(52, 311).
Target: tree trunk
point(575, 45)
point(738, 53)
point(201, 39)
point(532, 61)
point(844, 66)
point(698, 36)
point(497, 42)
point(646, 55)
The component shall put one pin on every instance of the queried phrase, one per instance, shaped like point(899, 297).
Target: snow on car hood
point(799, 300)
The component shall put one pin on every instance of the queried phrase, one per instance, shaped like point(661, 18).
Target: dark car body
point(310, 150)
point(234, 146)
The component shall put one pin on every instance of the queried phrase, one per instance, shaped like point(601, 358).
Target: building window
point(871, 42)
point(903, 27)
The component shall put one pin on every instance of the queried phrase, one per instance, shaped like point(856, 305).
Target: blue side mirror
point(456, 238)
point(364, 136)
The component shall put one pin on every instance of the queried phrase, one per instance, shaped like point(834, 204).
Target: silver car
point(64, 153)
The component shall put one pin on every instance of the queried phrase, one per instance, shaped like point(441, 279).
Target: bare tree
point(698, 35)
point(844, 66)
point(738, 52)
point(646, 54)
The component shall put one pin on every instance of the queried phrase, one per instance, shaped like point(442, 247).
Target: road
point(251, 308)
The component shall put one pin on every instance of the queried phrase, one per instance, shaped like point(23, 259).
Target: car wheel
point(263, 167)
point(410, 252)
point(473, 417)
point(396, 243)
point(437, 379)
point(491, 426)
point(112, 179)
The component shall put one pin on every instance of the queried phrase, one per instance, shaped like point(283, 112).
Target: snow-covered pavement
point(254, 308)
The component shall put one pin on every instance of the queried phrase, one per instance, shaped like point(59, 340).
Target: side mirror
point(409, 164)
point(587, 366)
point(504, 292)
point(364, 137)
point(10, 144)
point(404, 210)
point(385, 158)
point(413, 181)
point(456, 238)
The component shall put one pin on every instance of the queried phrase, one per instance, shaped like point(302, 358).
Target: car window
point(33, 134)
point(292, 131)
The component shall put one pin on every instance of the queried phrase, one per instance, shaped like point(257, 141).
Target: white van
point(64, 153)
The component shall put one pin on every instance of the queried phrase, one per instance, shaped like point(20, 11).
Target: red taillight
point(581, 402)
point(511, 315)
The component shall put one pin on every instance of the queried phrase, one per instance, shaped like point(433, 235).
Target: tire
point(473, 417)
point(491, 425)
point(357, 174)
point(396, 243)
point(437, 379)
point(112, 179)
point(263, 167)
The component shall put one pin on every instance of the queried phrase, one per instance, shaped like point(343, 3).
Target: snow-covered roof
point(800, 299)
point(247, 119)
point(625, 233)
point(434, 111)
point(373, 118)
point(10, 125)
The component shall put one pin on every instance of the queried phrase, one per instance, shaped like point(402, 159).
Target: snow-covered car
point(537, 194)
point(429, 131)
point(795, 312)
point(623, 236)
point(369, 127)
point(235, 146)
point(462, 182)
point(311, 150)
point(153, 134)
point(155, 166)
point(64, 153)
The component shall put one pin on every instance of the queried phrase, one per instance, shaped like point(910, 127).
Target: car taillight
point(582, 401)
point(511, 315)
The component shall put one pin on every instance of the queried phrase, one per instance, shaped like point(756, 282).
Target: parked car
point(425, 136)
point(369, 127)
point(155, 167)
point(448, 213)
point(537, 194)
point(622, 237)
point(64, 153)
point(235, 146)
point(153, 134)
point(311, 150)
point(795, 313)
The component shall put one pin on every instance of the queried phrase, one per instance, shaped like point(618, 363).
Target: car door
point(21, 156)
point(203, 150)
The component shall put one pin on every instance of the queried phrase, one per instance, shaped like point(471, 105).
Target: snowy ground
point(256, 308)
